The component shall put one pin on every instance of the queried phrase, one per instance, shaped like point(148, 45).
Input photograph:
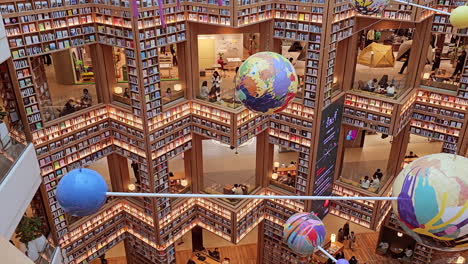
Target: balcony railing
point(10, 150)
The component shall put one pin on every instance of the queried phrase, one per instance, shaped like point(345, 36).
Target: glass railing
point(47, 253)
point(11, 149)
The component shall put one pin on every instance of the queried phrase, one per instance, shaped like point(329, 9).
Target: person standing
point(405, 64)
point(340, 235)
point(136, 171)
point(352, 240)
point(378, 173)
point(436, 63)
point(460, 62)
point(346, 230)
point(86, 100)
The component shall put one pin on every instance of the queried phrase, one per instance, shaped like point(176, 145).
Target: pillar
point(398, 152)
point(64, 67)
point(264, 160)
point(197, 238)
point(119, 172)
point(193, 162)
point(102, 57)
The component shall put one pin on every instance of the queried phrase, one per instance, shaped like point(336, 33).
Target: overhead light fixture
point(276, 164)
point(131, 187)
point(333, 238)
point(274, 176)
point(177, 87)
point(184, 183)
point(399, 234)
point(118, 90)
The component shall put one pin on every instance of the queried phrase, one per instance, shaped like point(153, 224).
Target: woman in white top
point(375, 182)
point(204, 89)
point(365, 183)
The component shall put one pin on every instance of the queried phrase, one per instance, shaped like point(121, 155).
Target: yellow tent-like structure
point(377, 55)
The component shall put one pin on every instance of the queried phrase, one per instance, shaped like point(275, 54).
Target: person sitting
point(86, 100)
point(212, 95)
point(244, 189)
point(204, 89)
point(226, 261)
point(236, 189)
point(292, 164)
point(365, 183)
point(214, 254)
point(384, 82)
point(390, 90)
point(411, 155)
point(353, 260)
point(371, 85)
point(126, 93)
point(168, 93)
point(378, 173)
point(375, 182)
point(68, 108)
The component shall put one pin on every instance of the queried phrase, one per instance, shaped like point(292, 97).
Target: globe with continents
point(266, 82)
point(432, 201)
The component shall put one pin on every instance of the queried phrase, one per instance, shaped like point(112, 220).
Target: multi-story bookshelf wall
point(151, 134)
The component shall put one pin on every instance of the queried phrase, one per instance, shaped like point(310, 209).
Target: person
point(174, 55)
point(68, 108)
point(226, 261)
point(215, 253)
point(436, 63)
point(171, 174)
point(126, 93)
point(234, 189)
point(292, 164)
point(221, 64)
point(383, 83)
point(340, 235)
point(47, 59)
point(168, 93)
point(352, 240)
point(346, 230)
point(86, 99)
point(390, 90)
point(216, 78)
point(378, 173)
point(460, 62)
point(411, 155)
point(353, 260)
point(244, 189)
point(375, 182)
point(405, 64)
point(136, 172)
point(289, 180)
point(371, 85)
point(103, 259)
point(365, 183)
point(204, 89)
point(191, 262)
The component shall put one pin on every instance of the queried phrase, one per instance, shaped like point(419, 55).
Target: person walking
point(346, 231)
point(352, 240)
point(136, 172)
point(460, 62)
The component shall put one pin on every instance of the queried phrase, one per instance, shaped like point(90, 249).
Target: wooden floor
point(244, 254)
point(364, 251)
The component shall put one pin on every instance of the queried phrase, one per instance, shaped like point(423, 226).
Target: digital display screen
point(327, 151)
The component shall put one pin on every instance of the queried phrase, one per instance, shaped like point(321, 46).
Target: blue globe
point(81, 192)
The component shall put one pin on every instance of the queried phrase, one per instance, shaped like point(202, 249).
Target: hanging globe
point(81, 192)
point(369, 7)
point(432, 201)
point(304, 232)
point(266, 82)
point(459, 17)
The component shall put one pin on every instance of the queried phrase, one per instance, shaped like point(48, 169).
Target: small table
point(208, 260)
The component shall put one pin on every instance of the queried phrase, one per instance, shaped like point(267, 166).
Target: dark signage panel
point(326, 155)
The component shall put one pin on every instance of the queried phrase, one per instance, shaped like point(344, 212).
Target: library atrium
point(233, 131)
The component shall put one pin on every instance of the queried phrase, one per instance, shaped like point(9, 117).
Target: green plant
point(29, 229)
point(2, 114)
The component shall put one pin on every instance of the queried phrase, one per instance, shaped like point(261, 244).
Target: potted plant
point(29, 233)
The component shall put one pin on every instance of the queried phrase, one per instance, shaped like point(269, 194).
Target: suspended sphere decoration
point(304, 232)
point(266, 82)
point(342, 261)
point(459, 17)
point(432, 201)
point(81, 192)
point(369, 7)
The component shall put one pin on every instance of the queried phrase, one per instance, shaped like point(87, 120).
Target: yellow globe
point(459, 17)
